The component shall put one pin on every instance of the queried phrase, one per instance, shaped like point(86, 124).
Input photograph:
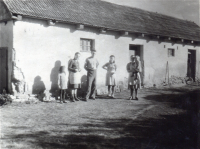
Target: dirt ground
point(160, 119)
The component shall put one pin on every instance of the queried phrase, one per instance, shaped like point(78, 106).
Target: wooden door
point(3, 69)
point(191, 70)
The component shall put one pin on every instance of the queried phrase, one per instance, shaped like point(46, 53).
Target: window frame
point(171, 52)
point(85, 45)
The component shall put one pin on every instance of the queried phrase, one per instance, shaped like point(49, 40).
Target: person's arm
point(59, 80)
point(105, 66)
point(70, 67)
point(85, 65)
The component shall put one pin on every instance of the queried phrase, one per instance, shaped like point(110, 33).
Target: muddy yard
point(160, 119)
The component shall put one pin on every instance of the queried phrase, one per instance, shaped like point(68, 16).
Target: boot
point(76, 98)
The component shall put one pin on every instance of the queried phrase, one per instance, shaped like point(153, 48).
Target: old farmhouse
point(38, 36)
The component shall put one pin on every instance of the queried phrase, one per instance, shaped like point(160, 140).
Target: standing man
point(90, 66)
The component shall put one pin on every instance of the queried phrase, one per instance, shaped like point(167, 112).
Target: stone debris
point(18, 80)
point(5, 99)
point(102, 90)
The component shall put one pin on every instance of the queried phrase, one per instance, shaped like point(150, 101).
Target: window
point(86, 45)
point(171, 52)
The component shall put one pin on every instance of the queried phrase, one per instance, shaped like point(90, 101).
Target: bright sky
point(183, 9)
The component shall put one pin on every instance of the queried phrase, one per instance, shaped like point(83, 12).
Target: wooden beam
point(17, 17)
point(102, 30)
point(80, 26)
point(51, 23)
point(143, 35)
point(124, 33)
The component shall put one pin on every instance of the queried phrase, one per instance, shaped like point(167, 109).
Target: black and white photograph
point(99, 74)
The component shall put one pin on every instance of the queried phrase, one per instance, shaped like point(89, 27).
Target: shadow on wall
point(82, 91)
point(54, 77)
point(38, 86)
point(84, 82)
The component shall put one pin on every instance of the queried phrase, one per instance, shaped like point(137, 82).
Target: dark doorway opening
point(137, 50)
point(191, 64)
point(3, 69)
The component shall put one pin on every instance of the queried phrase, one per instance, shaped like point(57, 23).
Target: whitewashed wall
point(39, 47)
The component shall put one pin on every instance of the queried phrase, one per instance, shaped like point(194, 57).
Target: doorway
point(3, 69)
point(191, 64)
point(137, 50)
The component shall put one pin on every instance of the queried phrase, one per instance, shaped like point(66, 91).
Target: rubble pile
point(5, 99)
point(176, 80)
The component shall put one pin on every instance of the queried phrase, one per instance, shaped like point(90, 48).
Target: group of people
point(73, 82)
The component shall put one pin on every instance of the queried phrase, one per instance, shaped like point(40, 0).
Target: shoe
point(130, 98)
point(93, 98)
point(61, 102)
point(136, 98)
point(72, 98)
point(76, 98)
point(113, 96)
point(85, 99)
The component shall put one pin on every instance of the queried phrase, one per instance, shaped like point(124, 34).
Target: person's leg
point(89, 84)
point(136, 93)
point(93, 87)
point(131, 92)
point(75, 95)
point(113, 91)
point(72, 95)
point(64, 94)
point(109, 94)
point(139, 78)
point(61, 98)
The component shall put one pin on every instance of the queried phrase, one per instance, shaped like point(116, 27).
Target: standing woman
point(111, 68)
point(74, 76)
point(133, 82)
point(62, 83)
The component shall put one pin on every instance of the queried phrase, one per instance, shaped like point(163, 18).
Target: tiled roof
point(106, 15)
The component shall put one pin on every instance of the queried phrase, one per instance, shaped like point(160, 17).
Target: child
point(62, 83)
